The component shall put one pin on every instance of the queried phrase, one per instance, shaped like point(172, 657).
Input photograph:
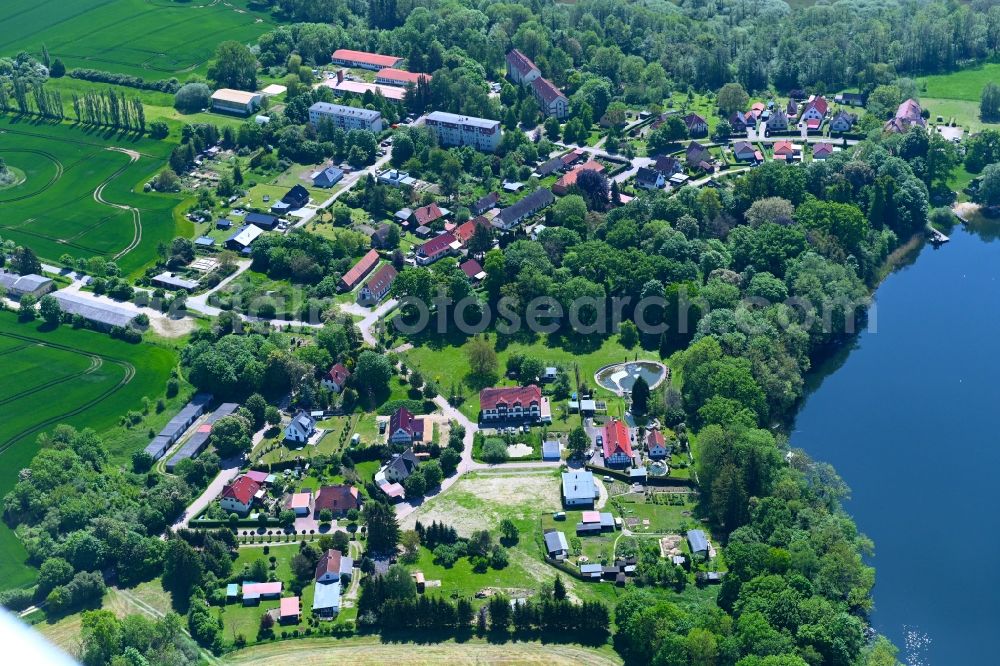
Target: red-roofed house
point(784, 150)
point(617, 444)
point(353, 277)
point(405, 428)
point(518, 403)
point(338, 499)
point(239, 495)
point(520, 68)
point(473, 270)
point(336, 378)
point(815, 109)
point(254, 592)
point(333, 567)
point(568, 180)
point(465, 231)
point(821, 151)
point(436, 248)
point(391, 76)
point(425, 215)
point(378, 287)
point(364, 59)
point(550, 99)
point(656, 445)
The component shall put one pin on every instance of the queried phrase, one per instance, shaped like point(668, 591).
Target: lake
point(910, 421)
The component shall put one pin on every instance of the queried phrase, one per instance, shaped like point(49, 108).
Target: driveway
point(370, 317)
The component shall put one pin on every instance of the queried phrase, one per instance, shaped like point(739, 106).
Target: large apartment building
point(346, 117)
point(522, 69)
point(454, 130)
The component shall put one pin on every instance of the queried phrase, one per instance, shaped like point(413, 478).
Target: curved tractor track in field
point(52, 181)
point(129, 374)
point(136, 216)
point(95, 364)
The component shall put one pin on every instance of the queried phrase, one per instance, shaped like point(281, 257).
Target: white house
point(238, 496)
point(301, 428)
point(336, 378)
point(579, 488)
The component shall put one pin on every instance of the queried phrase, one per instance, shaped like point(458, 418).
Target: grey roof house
point(556, 545)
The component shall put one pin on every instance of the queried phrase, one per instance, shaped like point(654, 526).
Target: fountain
point(621, 377)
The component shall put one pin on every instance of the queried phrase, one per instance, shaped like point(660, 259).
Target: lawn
point(662, 517)
point(362, 424)
point(94, 380)
point(964, 84)
point(154, 39)
point(55, 211)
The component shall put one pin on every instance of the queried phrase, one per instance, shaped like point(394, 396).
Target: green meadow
point(82, 378)
point(55, 211)
point(154, 39)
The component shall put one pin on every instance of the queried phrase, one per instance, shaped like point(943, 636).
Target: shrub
point(192, 97)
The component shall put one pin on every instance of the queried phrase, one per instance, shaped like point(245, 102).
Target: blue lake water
point(910, 418)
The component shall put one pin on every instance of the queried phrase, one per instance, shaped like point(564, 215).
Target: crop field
point(82, 378)
point(154, 39)
point(80, 194)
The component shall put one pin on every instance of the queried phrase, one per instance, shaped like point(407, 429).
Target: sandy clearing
point(370, 650)
point(478, 501)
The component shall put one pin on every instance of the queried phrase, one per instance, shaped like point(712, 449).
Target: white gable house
point(301, 428)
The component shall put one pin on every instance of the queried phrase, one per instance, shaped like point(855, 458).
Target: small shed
point(232, 591)
point(550, 450)
point(418, 578)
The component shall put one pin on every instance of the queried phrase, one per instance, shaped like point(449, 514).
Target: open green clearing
point(964, 84)
point(82, 378)
point(154, 39)
point(55, 210)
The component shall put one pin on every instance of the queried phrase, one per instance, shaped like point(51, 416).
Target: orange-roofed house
point(617, 444)
point(364, 59)
point(568, 180)
point(784, 150)
point(391, 76)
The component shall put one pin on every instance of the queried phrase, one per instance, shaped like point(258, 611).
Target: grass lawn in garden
point(446, 363)
point(94, 379)
point(662, 516)
point(154, 39)
point(55, 211)
point(963, 112)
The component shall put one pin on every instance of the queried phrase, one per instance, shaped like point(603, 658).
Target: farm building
point(265, 221)
point(25, 285)
point(103, 316)
point(359, 271)
point(239, 102)
point(197, 442)
point(288, 610)
point(244, 238)
point(177, 425)
point(254, 592)
point(326, 600)
point(170, 281)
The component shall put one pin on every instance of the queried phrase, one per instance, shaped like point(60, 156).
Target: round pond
point(620, 377)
